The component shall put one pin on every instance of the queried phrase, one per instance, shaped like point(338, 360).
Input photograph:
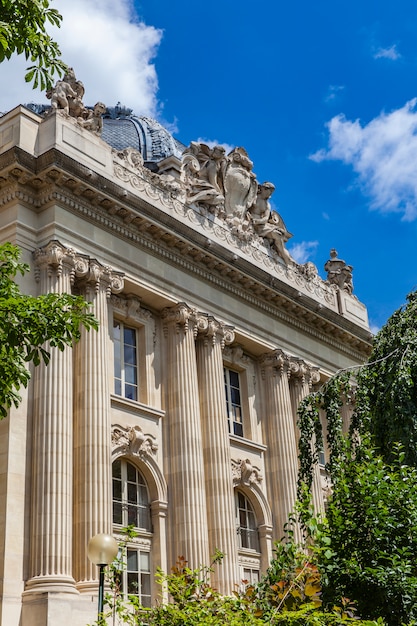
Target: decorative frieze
point(129, 307)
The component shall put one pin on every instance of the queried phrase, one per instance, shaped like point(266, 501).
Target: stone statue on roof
point(239, 184)
point(269, 224)
point(67, 95)
point(226, 187)
point(204, 169)
point(338, 272)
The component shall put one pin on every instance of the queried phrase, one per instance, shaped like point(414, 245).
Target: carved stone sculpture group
point(226, 187)
point(67, 95)
point(220, 186)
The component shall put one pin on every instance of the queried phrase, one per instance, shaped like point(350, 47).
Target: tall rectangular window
point(233, 402)
point(134, 576)
point(125, 361)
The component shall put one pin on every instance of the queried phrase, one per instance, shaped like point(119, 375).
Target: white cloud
point(387, 53)
point(111, 52)
point(302, 251)
point(383, 153)
point(214, 142)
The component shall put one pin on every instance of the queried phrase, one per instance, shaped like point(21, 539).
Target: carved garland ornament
point(131, 440)
point(243, 473)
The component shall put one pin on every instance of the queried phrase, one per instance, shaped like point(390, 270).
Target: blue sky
point(320, 95)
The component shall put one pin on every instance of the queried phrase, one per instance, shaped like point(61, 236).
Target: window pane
point(130, 336)
point(117, 489)
point(131, 493)
point(234, 378)
point(117, 469)
point(130, 374)
point(238, 429)
point(145, 580)
point(131, 392)
point(235, 394)
point(132, 560)
point(132, 583)
point(117, 365)
point(130, 355)
point(145, 562)
point(144, 518)
point(143, 495)
point(117, 513)
point(131, 472)
point(132, 515)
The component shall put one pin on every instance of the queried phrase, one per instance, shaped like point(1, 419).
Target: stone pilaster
point(184, 462)
point(212, 336)
point(281, 459)
point(302, 379)
point(92, 428)
point(51, 523)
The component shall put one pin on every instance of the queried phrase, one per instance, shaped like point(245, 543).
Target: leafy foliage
point(366, 546)
point(289, 594)
point(23, 31)
point(388, 385)
point(27, 322)
point(371, 526)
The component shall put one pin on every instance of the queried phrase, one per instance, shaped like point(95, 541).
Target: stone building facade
point(179, 415)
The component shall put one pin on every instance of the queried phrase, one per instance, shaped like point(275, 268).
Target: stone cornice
point(56, 177)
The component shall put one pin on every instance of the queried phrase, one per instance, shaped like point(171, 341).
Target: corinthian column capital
point(180, 315)
point(303, 372)
point(211, 330)
point(54, 258)
point(275, 363)
point(97, 276)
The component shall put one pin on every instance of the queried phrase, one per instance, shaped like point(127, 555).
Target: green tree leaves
point(23, 25)
point(28, 322)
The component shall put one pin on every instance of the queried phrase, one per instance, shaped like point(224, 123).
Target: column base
point(88, 586)
point(46, 584)
point(54, 609)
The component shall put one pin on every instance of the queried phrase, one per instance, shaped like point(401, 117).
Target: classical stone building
point(185, 399)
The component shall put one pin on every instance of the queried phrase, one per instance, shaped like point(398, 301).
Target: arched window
point(130, 496)
point(131, 506)
point(247, 525)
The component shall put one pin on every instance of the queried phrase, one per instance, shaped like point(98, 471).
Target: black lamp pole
point(101, 593)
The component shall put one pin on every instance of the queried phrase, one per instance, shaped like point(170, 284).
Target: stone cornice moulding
point(167, 202)
point(124, 229)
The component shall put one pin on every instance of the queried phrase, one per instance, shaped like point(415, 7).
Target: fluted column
point(92, 428)
point(51, 523)
point(281, 458)
point(189, 536)
point(212, 336)
point(303, 377)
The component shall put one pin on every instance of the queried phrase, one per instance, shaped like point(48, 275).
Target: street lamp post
point(102, 550)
